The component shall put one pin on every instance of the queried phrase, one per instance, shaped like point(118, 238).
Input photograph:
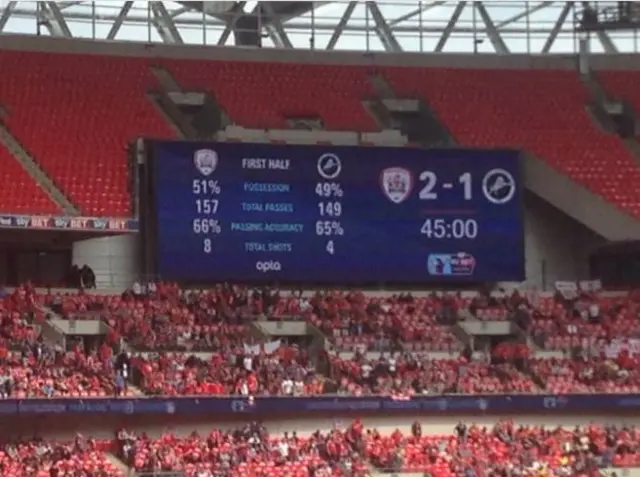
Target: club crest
point(396, 183)
point(206, 161)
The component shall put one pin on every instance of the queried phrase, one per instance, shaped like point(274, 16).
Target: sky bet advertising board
point(229, 211)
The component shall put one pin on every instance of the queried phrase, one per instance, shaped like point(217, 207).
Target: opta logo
point(270, 266)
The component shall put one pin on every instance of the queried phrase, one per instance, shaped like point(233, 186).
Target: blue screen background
point(381, 240)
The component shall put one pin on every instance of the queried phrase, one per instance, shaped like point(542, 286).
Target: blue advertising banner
point(322, 404)
point(266, 212)
point(69, 223)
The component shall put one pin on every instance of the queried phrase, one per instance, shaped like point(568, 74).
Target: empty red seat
point(76, 114)
point(540, 111)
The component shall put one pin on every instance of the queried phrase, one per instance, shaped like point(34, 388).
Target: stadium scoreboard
point(285, 213)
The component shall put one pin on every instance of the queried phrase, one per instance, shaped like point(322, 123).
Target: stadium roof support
point(231, 23)
point(556, 28)
point(126, 8)
point(273, 26)
point(604, 37)
point(335, 36)
point(446, 33)
point(525, 13)
point(6, 14)
point(50, 16)
point(164, 23)
point(490, 26)
point(492, 32)
point(422, 8)
point(383, 30)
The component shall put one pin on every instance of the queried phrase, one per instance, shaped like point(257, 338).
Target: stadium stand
point(483, 108)
point(197, 344)
point(558, 128)
point(42, 458)
point(76, 92)
point(171, 342)
point(354, 450)
point(621, 85)
point(20, 193)
point(335, 93)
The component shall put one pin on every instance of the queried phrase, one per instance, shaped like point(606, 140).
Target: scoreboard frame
point(149, 224)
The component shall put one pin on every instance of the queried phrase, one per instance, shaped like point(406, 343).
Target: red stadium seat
point(19, 193)
point(622, 85)
point(263, 95)
point(541, 111)
point(76, 115)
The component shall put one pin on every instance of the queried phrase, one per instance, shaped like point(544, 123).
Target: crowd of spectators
point(39, 458)
point(19, 315)
point(504, 450)
point(40, 370)
point(197, 342)
point(246, 451)
point(286, 371)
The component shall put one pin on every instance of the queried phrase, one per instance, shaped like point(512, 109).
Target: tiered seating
point(52, 100)
point(377, 338)
point(557, 327)
point(20, 194)
point(166, 322)
point(18, 315)
point(181, 374)
point(226, 451)
point(408, 377)
point(595, 375)
point(485, 451)
point(542, 111)
point(363, 322)
point(529, 450)
point(188, 324)
point(622, 85)
point(76, 114)
point(42, 459)
point(52, 374)
point(263, 95)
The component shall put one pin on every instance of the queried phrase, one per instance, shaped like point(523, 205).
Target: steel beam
point(383, 30)
point(446, 33)
point(492, 32)
point(557, 27)
point(285, 18)
point(6, 14)
point(607, 43)
point(179, 11)
point(274, 27)
point(115, 28)
point(52, 19)
point(73, 13)
point(231, 23)
point(337, 33)
point(164, 24)
point(63, 5)
point(528, 11)
point(603, 36)
point(414, 13)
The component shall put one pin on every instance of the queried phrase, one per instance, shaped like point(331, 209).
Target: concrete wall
point(197, 52)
